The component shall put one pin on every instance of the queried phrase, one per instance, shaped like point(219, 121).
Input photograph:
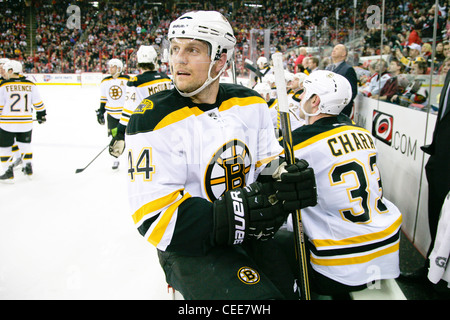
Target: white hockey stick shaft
point(283, 109)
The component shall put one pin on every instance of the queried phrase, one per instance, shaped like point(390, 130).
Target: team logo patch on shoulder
point(248, 275)
point(143, 106)
point(227, 169)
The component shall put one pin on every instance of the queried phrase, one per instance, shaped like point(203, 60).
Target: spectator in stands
point(414, 53)
point(299, 60)
point(340, 66)
point(392, 86)
point(379, 80)
point(444, 70)
point(446, 49)
point(313, 64)
point(419, 67)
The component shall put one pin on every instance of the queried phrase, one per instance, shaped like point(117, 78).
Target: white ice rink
point(71, 236)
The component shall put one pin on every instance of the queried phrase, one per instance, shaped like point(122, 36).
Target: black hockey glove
point(100, 116)
point(245, 213)
point(295, 185)
point(117, 144)
point(40, 116)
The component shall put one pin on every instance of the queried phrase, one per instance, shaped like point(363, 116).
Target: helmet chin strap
point(205, 84)
point(308, 115)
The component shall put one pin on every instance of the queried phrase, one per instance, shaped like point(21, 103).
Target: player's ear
point(220, 63)
point(315, 102)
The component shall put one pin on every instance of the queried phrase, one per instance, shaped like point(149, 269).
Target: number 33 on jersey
point(353, 229)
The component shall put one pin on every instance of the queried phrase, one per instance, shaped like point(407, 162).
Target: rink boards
point(399, 133)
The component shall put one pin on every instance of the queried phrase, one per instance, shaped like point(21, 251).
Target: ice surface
point(71, 236)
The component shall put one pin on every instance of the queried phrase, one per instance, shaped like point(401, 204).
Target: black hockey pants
point(253, 271)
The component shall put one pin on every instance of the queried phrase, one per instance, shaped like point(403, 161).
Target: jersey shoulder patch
point(153, 109)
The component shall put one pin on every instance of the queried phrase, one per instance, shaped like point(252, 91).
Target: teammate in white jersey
point(16, 159)
point(196, 190)
point(353, 230)
point(149, 82)
point(18, 98)
point(112, 100)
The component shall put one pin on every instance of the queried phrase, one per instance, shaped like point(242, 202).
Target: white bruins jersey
point(113, 94)
point(354, 232)
point(183, 156)
point(18, 98)
point(140, 87)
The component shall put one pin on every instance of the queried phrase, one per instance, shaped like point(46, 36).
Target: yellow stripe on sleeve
point(155, 206)
point(159, 230)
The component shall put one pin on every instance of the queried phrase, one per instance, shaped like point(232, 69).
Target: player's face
point(112, 70)
point(6, 74)
point(189, 63)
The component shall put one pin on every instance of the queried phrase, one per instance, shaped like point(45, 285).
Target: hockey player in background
point(16, 159)
point(353, 230)
point(196, 185)
point(113, 90)
point(18, 97)
point(149, 82)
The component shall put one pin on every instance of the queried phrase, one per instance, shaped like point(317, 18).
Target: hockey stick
point(283, 108)
point(81, 170)
point(248, 64)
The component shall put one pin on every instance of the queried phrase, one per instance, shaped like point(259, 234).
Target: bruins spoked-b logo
point(228, 169)
point(115, 92)
point(248, 275)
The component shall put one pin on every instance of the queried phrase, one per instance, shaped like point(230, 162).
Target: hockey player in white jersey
point(149, 82)
point(263, 88)
point(113, 90)
point(295, 90)
point(264, 67)
point(196, 189)
point(18, 98)
point(16, 159)
point(353, 230)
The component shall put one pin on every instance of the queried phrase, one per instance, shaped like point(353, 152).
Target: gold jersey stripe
point(327, 134)
point(155, 205)
point(159, 230)
point(355, 260)
point(359, 239)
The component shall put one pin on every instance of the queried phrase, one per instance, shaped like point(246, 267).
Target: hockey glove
point(100, 116)
point(117, 144)
point(40, 116)
point(295, 185)
point(247, 213)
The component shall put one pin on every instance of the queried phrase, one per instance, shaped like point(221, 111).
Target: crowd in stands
point(116, 29)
